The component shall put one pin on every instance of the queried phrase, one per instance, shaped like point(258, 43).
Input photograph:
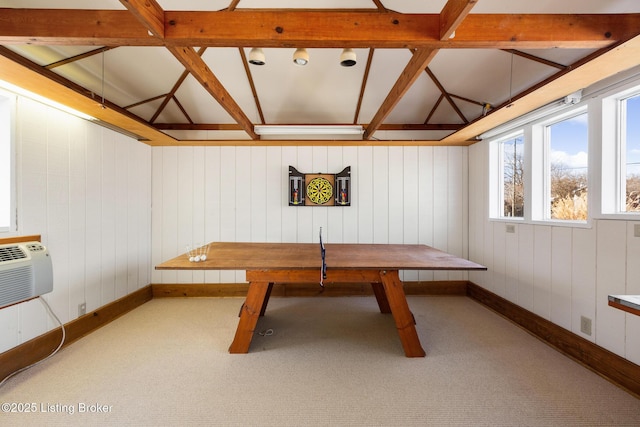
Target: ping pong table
point(378, 264)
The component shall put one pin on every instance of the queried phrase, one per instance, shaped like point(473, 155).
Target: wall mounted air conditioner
point(25, 272)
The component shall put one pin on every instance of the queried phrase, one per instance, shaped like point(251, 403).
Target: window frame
point(541, 199)
point(614, 152)
point(499, 184)
point(535, 165)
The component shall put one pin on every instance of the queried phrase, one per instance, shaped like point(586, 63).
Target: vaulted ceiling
point(172, 72)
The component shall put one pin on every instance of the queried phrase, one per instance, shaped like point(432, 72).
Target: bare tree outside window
point(513, 177)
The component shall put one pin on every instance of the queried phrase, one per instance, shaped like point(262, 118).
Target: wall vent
point(25, 272)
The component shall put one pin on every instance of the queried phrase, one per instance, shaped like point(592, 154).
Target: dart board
point(320, 190)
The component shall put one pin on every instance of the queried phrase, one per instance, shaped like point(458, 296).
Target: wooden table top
point(291, 256)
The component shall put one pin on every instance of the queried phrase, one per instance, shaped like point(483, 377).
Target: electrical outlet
point(636, 230)
point(585, 325)
point(511, 228)
point(82, 309)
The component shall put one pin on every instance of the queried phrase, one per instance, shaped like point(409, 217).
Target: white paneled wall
point(87, 191)
point(558, 273)
point(400, 195)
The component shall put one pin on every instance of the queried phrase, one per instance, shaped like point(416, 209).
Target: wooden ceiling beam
point(149, 12)
point(37, 79)
point(146, 11)
point(452, 15)
point(198, 69)
point(321, 29)
point(418, 62)
point(598, 66)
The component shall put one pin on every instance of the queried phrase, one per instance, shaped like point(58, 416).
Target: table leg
point(266, 299)
point(381, 297)
point(249, 315)
point(401, 314)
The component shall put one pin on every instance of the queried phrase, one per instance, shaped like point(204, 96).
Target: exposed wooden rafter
point(455, 11)
point(311, 29)
point(147, 12)
point(146, 24)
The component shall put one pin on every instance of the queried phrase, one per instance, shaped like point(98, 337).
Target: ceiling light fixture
point(256, 56)
point(301, 56)
point(308, 129)
point(348, 58)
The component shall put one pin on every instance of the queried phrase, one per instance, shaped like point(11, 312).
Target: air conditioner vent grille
point(11, 253)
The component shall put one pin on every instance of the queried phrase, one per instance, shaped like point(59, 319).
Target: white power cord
point(52, 314)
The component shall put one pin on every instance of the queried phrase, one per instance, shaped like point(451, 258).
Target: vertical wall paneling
point(77, 216)
point(381, 187)
point(58, 208)
point(393, 189)
point(542, 274)
point(306, 232)
point(186, 207)
point(457, 226)
point(157, 209)
point(169, 179)
point(243, 200)
point(511, 264)
point(258, 194)
point(350, 214)
point(121, 219)
point(228, 194)
point(276, 194)
point(199, 203)
point(610, 279)
point(289, 220)
point(108, 226)
point(526, 265)
point(335, 164)
point(365, 195)
point(86, 191)
point(583, 279)
point(93, 222)
point(561, 276)
point(440, 205)
point(632, 350)
point(410, 213)
point(212, 203)
point(395, 195)
point(499, 260)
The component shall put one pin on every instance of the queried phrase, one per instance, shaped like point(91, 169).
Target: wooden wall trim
point(20, 239)
point(303, 290)
point(616, 369)
point(41, 346)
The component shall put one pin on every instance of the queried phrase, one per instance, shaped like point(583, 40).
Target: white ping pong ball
point(197, 258)
point(203, 258)
point(191, 259)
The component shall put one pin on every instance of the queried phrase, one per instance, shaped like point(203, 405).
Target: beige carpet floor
point(321, 362)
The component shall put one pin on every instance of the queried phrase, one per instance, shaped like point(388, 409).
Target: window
point(7, 193)
point(629, 163)
point(512, 161)
point(566, 168)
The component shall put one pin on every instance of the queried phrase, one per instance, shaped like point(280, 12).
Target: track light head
point(348, 58)
point(301, 56)
point(256, 56)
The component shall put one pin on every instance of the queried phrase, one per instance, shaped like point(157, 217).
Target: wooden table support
point(386, 285)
